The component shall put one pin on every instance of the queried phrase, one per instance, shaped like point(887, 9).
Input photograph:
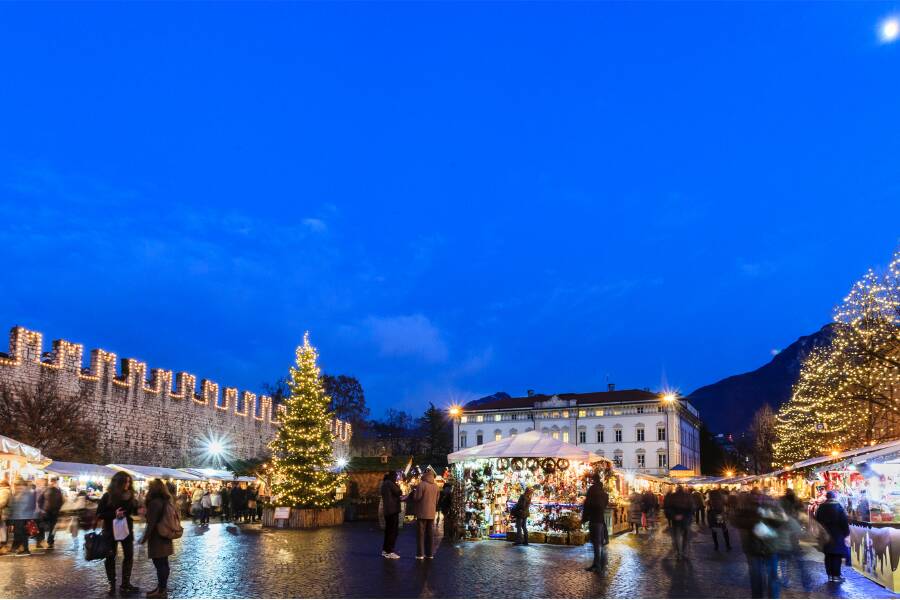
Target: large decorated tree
point(848, 394)
point(303, 454)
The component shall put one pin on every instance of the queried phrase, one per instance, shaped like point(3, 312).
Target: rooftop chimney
point(610, 387)
point(530, 393)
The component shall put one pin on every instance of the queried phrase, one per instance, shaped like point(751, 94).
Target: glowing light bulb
point(889, 30)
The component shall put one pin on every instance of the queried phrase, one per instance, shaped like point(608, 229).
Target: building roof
point(531, 444)
point(614, 397)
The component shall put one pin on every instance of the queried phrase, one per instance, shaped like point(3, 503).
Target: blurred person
point(593, 512)
point(833, 518)
point(119, 502)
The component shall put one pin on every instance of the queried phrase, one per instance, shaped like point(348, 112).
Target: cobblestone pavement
point(229, 561)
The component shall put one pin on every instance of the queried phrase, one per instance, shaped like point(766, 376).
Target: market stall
point(75, 478)
point(218, 475)
point(18, 459)
point(867, 483)
point(142, 474)
point(494, 475)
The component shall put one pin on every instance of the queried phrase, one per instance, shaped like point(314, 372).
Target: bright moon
point(890, 29)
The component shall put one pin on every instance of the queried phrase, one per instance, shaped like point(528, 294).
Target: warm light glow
point(729, 473)
point(455, 411)
point(834, 452)
point(669, 397)
point(216, 448)
point(889, 30)
point(341, 462)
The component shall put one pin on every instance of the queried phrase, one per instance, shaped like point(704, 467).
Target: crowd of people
point(426, 500)
point(226, 501)
point(30, 510)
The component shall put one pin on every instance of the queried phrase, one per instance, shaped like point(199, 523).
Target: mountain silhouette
point(727, 406)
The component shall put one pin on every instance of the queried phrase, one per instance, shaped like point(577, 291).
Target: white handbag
point(120, 529)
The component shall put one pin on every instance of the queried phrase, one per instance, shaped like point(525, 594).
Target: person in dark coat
point(50, 502)
point(832, 516)
point(520, 514)
point(679, 508)
point(159, 549)
point(699, 507)
point(716, 518)
point(426, 497)
point(119, 501)
point(238, 502)
point(391, 497)
point(594, 514)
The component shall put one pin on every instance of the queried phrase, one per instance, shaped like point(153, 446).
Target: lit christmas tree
point(302, 450)
point(848, 394)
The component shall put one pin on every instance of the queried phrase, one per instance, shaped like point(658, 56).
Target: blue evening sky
point(453, 199)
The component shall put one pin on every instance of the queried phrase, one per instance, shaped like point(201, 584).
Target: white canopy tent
point(531, 444)
point(146, 472)
point(12, 448)
point(217, 474)
point(70, 469)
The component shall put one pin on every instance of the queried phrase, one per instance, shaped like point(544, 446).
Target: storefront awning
point(13, 448)
point(842, 455)
point(145, 472)
point(531, 444)
point(70, 469)
point(217, 474)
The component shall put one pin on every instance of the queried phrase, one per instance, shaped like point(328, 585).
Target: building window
point(641, 460)
point(498, 417)
point(513, 432)
point(555, 414)
point(479, 419)
point(464, 419)
point(661, 460)
point(640, 410)
point(598, 413)
point(660, 408)
point(661, 434)
point(582, 413)
point(565, 414)
point(566, 436)
point(555, 435)
point(582, 437)
point(462, 440)
point(498, 435)
point(640, 434)
point(617, 458)
point(618, 435)
point(599, 436)
point(479, 438)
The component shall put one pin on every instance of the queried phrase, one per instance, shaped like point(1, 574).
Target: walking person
point(5, 495)
point(391, 497)
point(119, 502)
point(21, 510)
point(832, 516)
point(520, 514)
point(196, 507)
point(215, 499)
point(594, 514)
point(699, 507)
point(716, 518)
point(425, 496)
point(226, 502)
point(649, 506)
point(679, 508)
point(635, 512)
point(160, 510)
point(793, 552)
point(49, 504)
point(762, 525)
point(205, 507)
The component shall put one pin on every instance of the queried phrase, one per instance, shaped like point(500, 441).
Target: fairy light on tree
point(303, 446)
point(848, 394)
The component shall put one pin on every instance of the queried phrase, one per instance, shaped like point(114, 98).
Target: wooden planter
point(305, 518)
point(577, 538)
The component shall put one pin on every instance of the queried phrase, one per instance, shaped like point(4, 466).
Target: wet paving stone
point(229, 561)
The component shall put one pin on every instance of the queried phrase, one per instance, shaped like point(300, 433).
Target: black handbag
point(96, 546)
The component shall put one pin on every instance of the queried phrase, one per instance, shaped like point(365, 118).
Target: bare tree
point(762, 438)
point(50, 419)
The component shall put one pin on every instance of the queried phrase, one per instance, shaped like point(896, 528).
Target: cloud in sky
point(408, 335)
point(315, 225)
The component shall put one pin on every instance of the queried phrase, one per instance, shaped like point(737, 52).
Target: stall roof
point(70, 469)
point(217, 474)
point(842, 455)
point(882, 451)
point(11, 446)
point(531, 444)
point(146, 472)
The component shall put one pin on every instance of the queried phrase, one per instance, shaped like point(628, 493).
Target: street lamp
point(668, 399)
point(455, 411)
point(216, 448)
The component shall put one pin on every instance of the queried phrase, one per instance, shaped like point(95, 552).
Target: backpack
point(169, 526)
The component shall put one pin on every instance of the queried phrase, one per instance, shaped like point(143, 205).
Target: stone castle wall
point(160, 421)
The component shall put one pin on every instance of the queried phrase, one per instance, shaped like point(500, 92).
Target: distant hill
point(727, 406)
point(491, 398)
